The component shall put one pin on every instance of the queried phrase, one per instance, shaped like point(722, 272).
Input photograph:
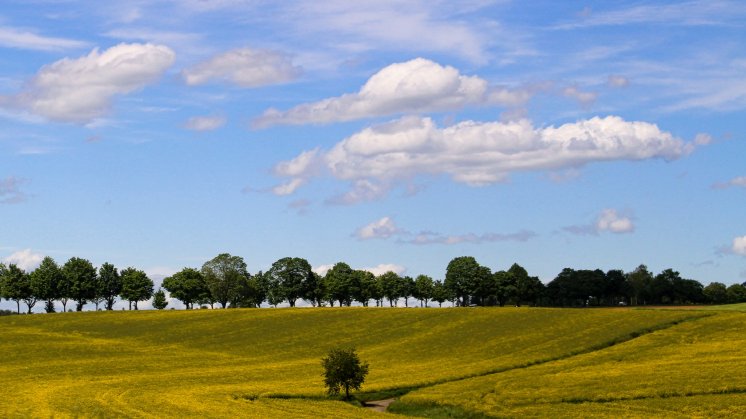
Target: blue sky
point(387, 134)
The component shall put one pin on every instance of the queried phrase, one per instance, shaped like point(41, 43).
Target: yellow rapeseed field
point(266, 362)
point(694, 369)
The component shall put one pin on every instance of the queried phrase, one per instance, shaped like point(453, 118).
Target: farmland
point(266, 362)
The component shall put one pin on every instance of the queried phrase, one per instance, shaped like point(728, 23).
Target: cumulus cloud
point(479, 153)
point(244, 67)
point(739, 246)
point(24, 39)
point(204, 123)
point(385, 267)
point(10, 190)
point(609, 220)
point(418, 85)
point(79, 90)
point(25, 259)
point(380, 229)
point(739, 181)
point(322, 269)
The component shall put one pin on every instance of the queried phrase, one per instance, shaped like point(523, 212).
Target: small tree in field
point(159, 299)
point(343, 369)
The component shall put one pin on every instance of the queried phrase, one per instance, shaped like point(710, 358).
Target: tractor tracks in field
point(398, 392)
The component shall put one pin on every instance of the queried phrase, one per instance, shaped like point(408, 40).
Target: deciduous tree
point(222, 275)
point(159, 300)
point(45, 281)
point(290, 276)
point(110, 283)
point(462, 275)
point(343, 370)
point(423, 289)
point(80, 275)
point(188, 286)
point(136, 286)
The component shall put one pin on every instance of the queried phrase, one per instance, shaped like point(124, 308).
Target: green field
point(266, 362)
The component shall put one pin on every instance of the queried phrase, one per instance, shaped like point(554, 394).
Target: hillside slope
point(219, 363)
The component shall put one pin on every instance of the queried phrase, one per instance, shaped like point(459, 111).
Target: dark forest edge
point(224, 281)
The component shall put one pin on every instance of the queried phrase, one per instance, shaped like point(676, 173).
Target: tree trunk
point(347, 392)
point(135, 304)
point(64, 304)
point(18, 304)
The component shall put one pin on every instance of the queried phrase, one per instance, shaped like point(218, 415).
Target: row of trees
point(473, 284)
point(225, 281)
point(77, 280)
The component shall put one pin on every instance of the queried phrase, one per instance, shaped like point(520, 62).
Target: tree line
point(226, 282)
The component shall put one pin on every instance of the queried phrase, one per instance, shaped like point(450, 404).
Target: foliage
point(339, 282)
point(159, 300)
point(462, 277)
point(110, 284)
point(290, 278)
point(716, 293)
point(188, 286)
point(45, 282)
point(423, 289)
point(79, 281)
point(136, 286)
point(16, 285)
point(223, 276)
point(343, 370)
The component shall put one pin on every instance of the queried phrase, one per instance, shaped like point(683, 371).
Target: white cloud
point(380, 229)
point(417, 85)
point(584, 98)
point(10, 190)
point(739, 246)
point(244, 67)
point(739, 181)
point(362, 190)
point(404, 25)
point(617, 81)
point(687, 13)
point(205, 123)
point(609, 220)
point(428, 237)
point(25, 259)
point(386, 228)
point(385, 267)
point(322, 269)
point(23, 39)
point(288, 187)
point(375, 270)
point(703, 139)
point(482, 153)
point(79, 90)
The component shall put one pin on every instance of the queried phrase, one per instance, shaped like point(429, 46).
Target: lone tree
point(343, 369)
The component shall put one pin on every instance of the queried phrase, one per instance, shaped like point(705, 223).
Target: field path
point(379, 405)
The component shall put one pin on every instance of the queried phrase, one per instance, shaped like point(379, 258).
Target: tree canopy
point(343, 370)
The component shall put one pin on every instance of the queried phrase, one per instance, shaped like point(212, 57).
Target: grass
point(266, 363)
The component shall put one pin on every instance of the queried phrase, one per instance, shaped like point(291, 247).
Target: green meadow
point(471, 362)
